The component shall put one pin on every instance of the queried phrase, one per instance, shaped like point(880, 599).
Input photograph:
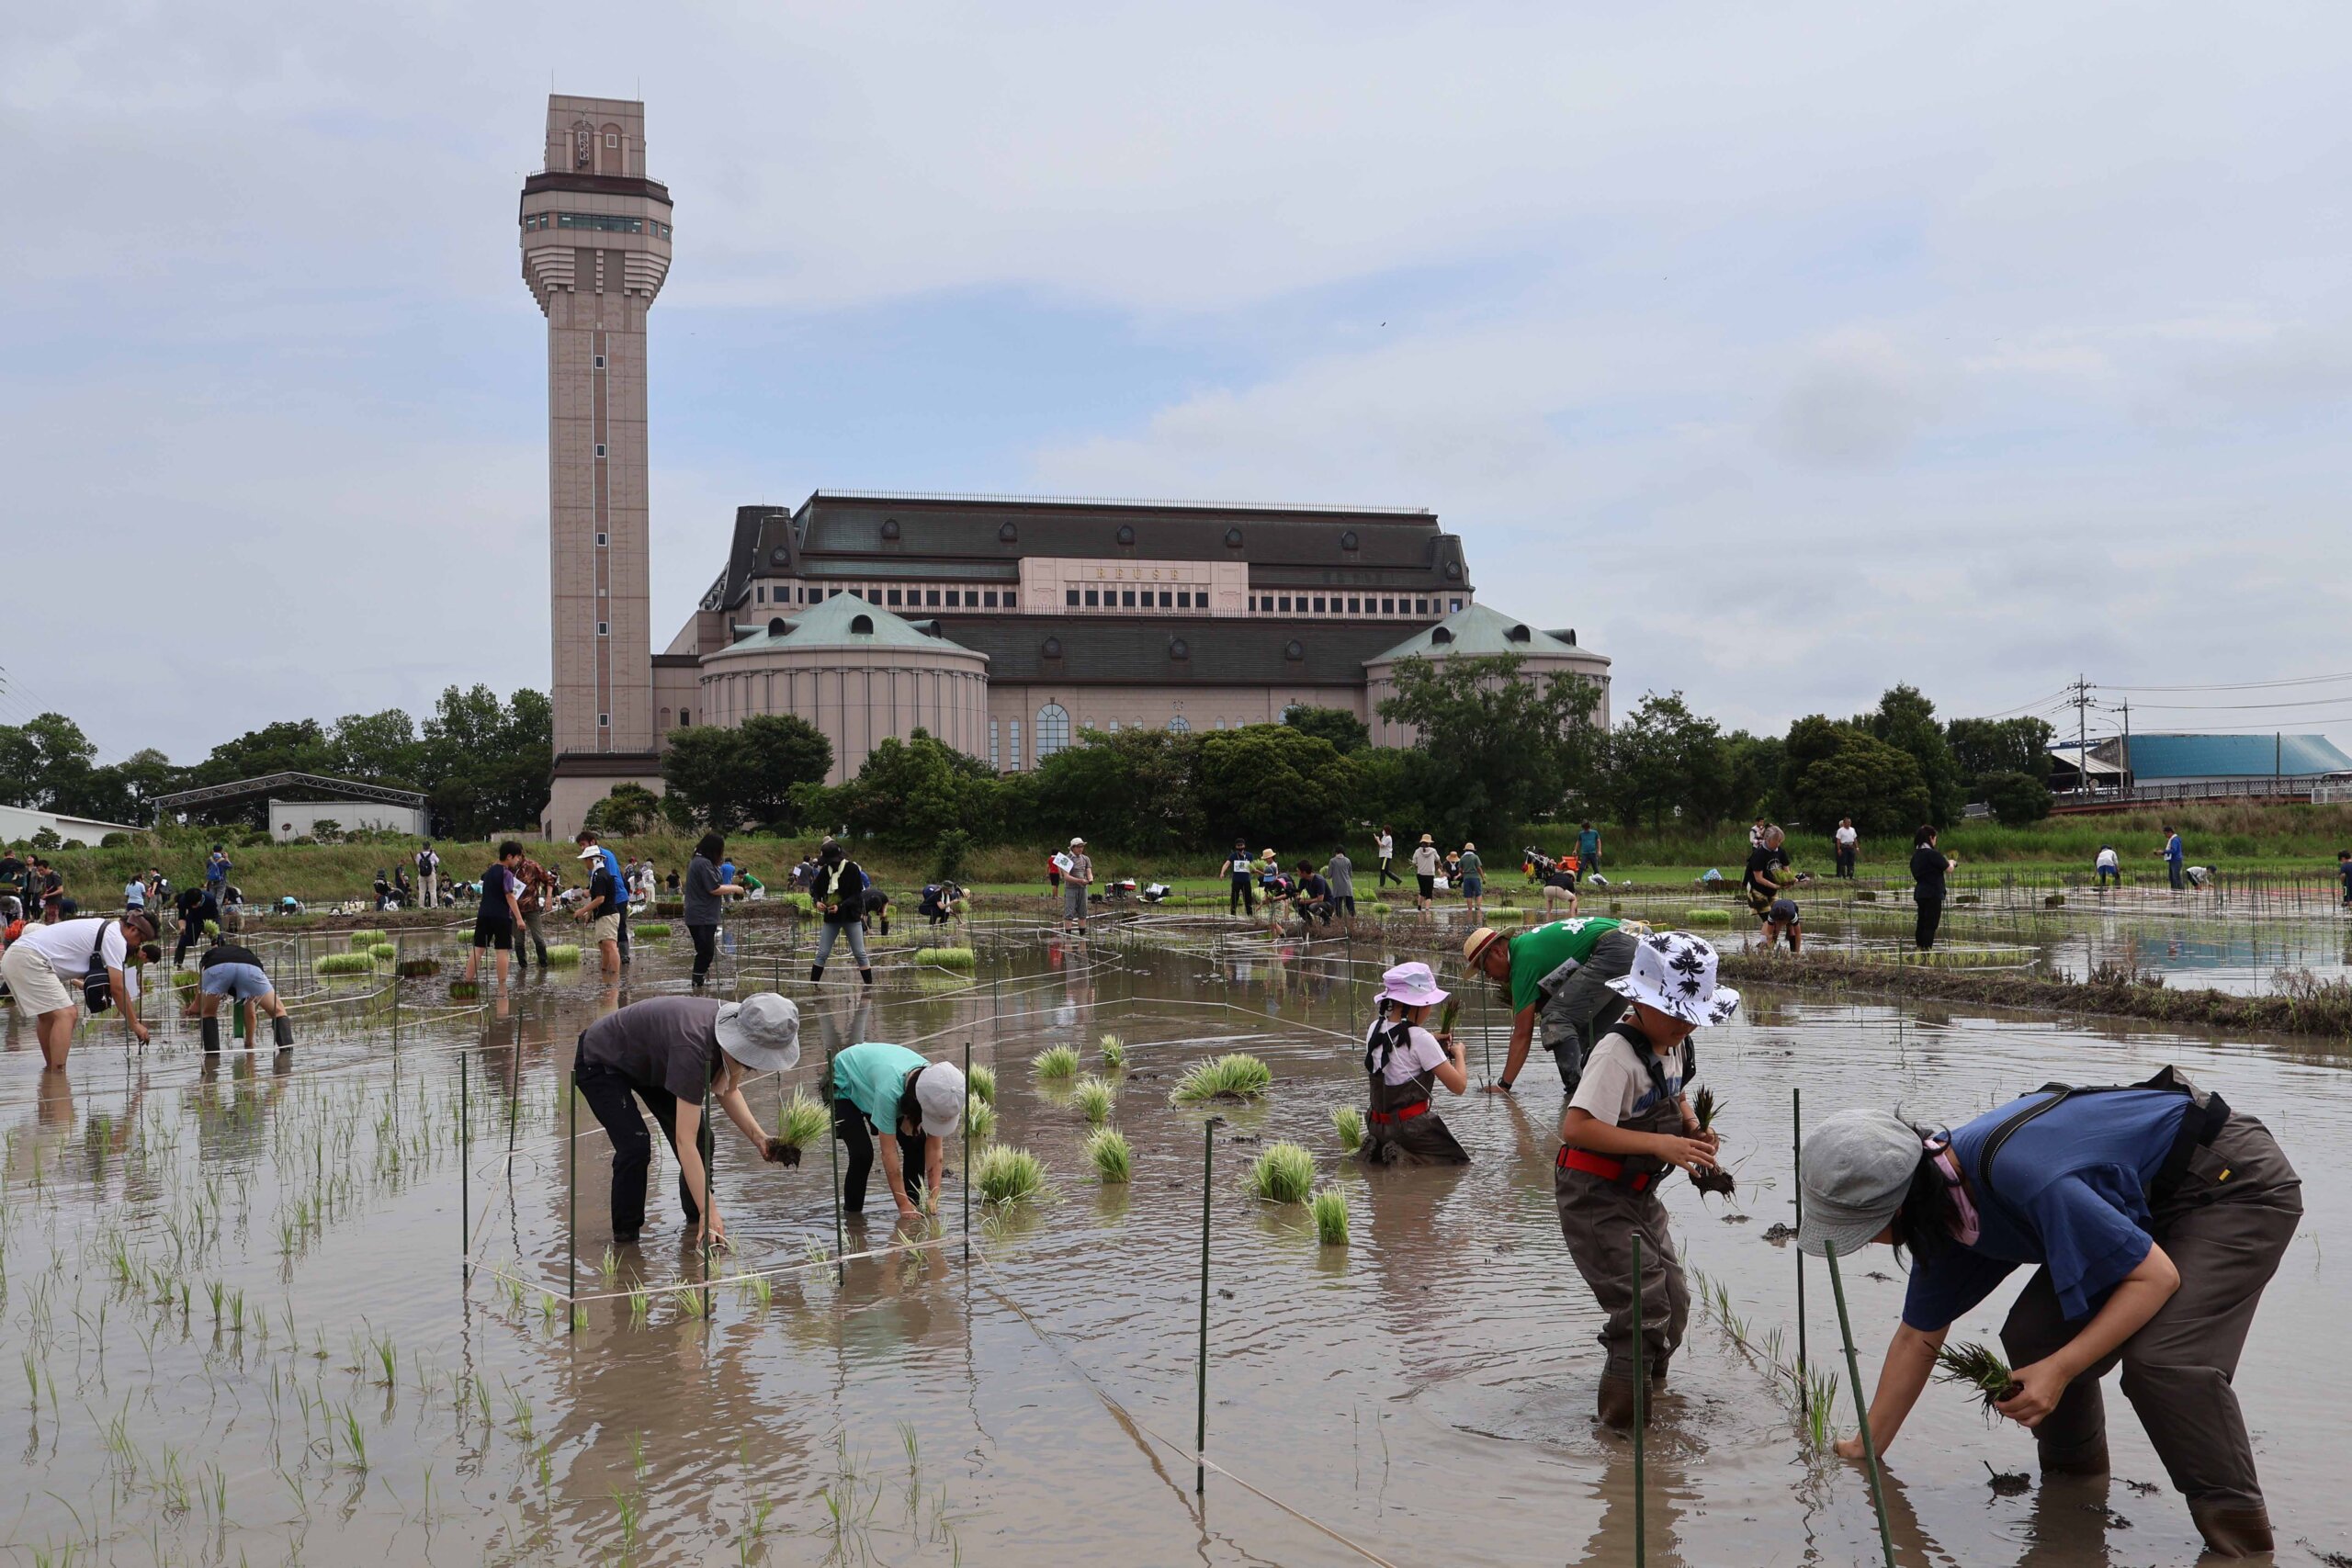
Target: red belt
point(1418, 1108)
point(1603, 1166)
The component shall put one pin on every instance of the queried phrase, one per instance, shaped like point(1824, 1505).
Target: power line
point(2241, 685)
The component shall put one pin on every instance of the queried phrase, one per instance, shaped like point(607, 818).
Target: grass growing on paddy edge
point(1237, 1077)
point(1107, 1151)
point(1284, 1173)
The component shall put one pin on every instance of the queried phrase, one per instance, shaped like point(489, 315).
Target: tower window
point(779, 625)
point(1355, 606)
point(600, 448)
point(602, 539)
point(612, 138)
point(862, 625)
point(889, 527)
point(604, 629)
point(1284, 602)
point(604, 721)
point(1420, 606)
point(600, 362)
point(1388, 606)
point(1319, 604)
point(1126, 534)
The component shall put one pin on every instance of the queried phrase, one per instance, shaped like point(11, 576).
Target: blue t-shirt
point(2078, 1175)
point(493, 892)
point(726, 870)
point(1587, 844)
point(2173, 850)
point(613, 869)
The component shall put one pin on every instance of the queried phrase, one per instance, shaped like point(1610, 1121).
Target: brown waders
point(1403, 1129)
point(1578, 1007)
point(1599, 1215)
point(2225, 1227)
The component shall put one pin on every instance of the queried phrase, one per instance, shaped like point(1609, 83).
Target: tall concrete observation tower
point(595, 236)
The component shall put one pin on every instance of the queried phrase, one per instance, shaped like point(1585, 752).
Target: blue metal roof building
point(2196, 759)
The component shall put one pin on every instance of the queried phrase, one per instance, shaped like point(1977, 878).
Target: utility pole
point(2128, 783)
point(2081, 698)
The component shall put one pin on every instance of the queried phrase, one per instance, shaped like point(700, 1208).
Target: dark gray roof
point(840, 535)
point(1219, 652)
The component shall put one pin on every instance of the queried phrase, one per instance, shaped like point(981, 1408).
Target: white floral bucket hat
point(1674, 973)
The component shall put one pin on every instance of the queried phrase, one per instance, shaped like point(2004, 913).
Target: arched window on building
point(1177, 726)
point(1053, 730)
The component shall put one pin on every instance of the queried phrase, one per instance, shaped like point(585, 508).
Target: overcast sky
point(1787, 351)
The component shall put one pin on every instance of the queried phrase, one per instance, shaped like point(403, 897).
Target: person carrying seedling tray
point(2156, 1214)
point(672, 1054)
point(1402, 1060)
point(1558, 976)
point(889, 1095)
point(1629, 1122)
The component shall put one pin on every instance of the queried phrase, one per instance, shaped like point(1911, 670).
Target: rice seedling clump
point(1330, 1211)
point(946, 957)
point(981, 1120)
point(1107, 1151)
point(798, 1125)
point(1379, 908)
point(983, 1081)
point(1114, 1053)
point(367, 939)
point(1285, 1173)
point(563, 956)
point(344, 964)
point(418, 968)
point(1978, 1366)
point(651, 930)
point(1706, 916)
point(1055, 1062)
point(1008, 1175)
point(1704, 1106)
point(384, 952)
point(1093, 1097)
point(1238, 1076)
point(1349, 1122)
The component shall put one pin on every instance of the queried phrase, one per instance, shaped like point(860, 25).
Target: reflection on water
point(1428, 1391)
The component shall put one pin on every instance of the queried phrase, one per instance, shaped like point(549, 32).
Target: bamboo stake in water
point(465, 1176)
point(571, 1205)
point(833, 1147)
point(967, 1152)
point(1201, 1370)
point(1796, 1135)
point(1641, 1406)
point(707, 1144)
point(1861, 1410)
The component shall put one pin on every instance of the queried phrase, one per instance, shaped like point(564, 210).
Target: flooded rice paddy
point(240, 1327)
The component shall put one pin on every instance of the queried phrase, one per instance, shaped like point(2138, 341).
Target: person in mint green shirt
point(1472, 874)
point(889, 1095)
point(1557, 975)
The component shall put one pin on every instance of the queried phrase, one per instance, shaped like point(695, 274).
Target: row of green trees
point(481, 763)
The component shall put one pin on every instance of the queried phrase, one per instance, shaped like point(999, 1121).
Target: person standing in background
point(2108, 867)
point(706, 900)
point(499, 917)
point(428, 876)
point(2175, 858)
point(134, 896)
point(1241, 875)
point(1383, 845)
point(1473, 873)
point(1424, 872)
point(216, 875)
point(1074, 882)
point(839, 893)
point(537, 890)
point(588, 836)
point(1929, 864)
point(1849, 844)
point(600, 909)
point(1340, 872)
point(1587, 848)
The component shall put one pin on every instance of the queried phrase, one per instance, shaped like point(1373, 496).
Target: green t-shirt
point(1535, 955)
point(871, 1076)
point(1469, 866)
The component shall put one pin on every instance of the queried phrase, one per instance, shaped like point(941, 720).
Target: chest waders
point(1404, 1128)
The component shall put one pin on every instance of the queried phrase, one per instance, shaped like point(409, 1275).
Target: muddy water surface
point(1425, 1392)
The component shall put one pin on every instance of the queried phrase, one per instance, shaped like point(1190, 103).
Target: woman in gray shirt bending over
point(706, 895)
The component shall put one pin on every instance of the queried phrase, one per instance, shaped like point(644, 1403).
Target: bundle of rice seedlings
point(1107, 1149)
point(799, 1125)
point(383, 952)
point(983, 1082)
point(563, 956)
point(1349, 1122)
point(2054, 901)
point(1706, 916)
point(1331, 1211)
point(1865, 896)
point(1008, 1175)
point(418, 968)
point(1114, 1053)
point(961, 906)
point(946, 957)
point(1093, 1097)
point(344, 964)
point(1704, 1105)
point(1055, 1062)
point(362, 939)
point(1237, 1077)
point(651, 930)
point(1978, 1366)
point(464, 990)
point(1379, 908)
point(1285, 1173)
point(187, 979)
point(798, 902)
point(1506, 915)
point(981, 1120)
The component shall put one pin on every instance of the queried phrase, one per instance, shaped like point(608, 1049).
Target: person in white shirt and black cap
point(47, 963)
point(673, 1054)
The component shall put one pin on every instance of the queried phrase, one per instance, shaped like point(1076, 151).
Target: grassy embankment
point(2236, 838)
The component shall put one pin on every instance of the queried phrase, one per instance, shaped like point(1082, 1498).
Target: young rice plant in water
point(1107, 1149)
point(1349, 1122)
point(1114, 1053)
point(1093, 1097)
point(983, 1082)
point(947, 957)
point(1330, 1211)
point(801, 1123)
point(1008, 1175)
point(1977, 1367)
point(1055, 1062)
point(1285, 1173)
point(981, 1120)
point(1237, 1077)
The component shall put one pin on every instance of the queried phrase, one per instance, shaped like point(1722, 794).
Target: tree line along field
point(2235, 837)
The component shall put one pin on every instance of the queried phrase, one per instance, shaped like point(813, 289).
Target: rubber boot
point(1616, 1404)
point(2233, 1529)
point(816, 973)
point(210, 1028)
point(866, 975)
point(281, 1028)
point(1657, 1374)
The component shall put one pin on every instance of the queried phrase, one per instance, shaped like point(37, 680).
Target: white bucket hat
point(1674, 973)
point(1413, 984)
point(939, 1090)
point(1858, 1167)
point(762, 1031)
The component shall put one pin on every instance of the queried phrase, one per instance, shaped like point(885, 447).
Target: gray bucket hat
point(763, 1032)
point(1857, 1165)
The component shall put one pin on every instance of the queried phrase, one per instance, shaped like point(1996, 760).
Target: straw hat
point(1427, 839)
point(1413, 984)
point(1474, 945)
point(1674, 973)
